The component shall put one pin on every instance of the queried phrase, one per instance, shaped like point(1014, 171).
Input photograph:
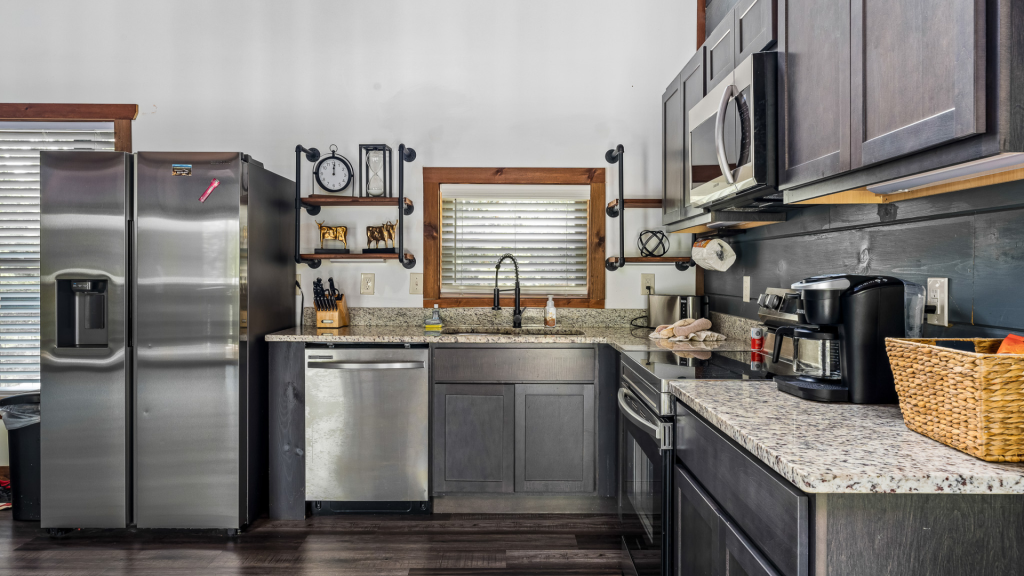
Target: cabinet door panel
point(742, 558)
point(697, 528)
point(918, 75)
point(473, 438)
point(554, 442)
point(721, 52)
point(814, 90)
point(755, 27)
point(684, 93)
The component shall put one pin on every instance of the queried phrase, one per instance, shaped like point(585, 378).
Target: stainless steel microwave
point(732, 139)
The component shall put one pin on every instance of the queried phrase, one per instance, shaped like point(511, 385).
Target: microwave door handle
point(635, 418)
point(723, 162)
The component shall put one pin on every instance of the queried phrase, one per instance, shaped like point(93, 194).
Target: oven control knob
point(773, 301)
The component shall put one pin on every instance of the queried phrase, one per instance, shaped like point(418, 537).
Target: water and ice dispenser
point(82, 313)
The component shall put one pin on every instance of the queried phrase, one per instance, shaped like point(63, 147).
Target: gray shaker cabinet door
point(685, 91)
point(814, 90)
point(918, 75)
point(473, 438)
point(554, 426)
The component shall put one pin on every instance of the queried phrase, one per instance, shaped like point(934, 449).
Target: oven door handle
point(723, 161)
point(634, 417)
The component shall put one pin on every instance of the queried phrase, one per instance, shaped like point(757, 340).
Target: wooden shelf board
point(327, 200)
point(352, 256)
point(638, 203)
point(647, 260)
point(703, 229)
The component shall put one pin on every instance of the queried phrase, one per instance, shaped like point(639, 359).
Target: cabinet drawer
point(514, 364)
point(770, 510)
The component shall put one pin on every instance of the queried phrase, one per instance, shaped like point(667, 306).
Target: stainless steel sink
point(504, 331)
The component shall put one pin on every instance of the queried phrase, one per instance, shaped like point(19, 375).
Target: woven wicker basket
point(972, 401)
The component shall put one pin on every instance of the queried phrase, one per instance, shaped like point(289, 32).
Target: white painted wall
point(550, 83)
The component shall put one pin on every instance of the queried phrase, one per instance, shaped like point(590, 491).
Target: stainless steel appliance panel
point(367, 424)
point(188, 307)
point(84, 388)
point(666, 309)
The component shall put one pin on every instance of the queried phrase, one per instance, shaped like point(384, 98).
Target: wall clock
point(333, 173)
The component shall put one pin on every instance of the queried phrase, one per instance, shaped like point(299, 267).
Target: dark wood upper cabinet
point(755, 26)
point(814, 90)
point(682, 94)
point(918, 75)
point(721, 52)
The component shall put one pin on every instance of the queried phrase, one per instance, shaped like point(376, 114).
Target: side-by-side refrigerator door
point(85, 403)
point(189, 464)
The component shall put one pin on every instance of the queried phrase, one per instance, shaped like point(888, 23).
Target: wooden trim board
point(91, 112)
point(865, 196)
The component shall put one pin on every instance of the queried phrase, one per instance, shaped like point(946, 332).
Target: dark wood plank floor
point(435, 545)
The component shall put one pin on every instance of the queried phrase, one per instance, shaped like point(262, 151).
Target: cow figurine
point(375, 235)
point(332, 233)
point(389, 233)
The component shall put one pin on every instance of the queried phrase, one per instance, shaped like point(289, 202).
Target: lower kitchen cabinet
point(554, 442)
point(707, 543)
point(473, 437)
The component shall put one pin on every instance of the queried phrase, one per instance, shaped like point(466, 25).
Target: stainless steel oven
point(645, 467)
point(732, 139)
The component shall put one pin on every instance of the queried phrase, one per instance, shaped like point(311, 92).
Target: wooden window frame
point(120, 114)
point(433, 178)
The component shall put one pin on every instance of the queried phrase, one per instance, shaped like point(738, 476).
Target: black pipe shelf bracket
point(405, 207)
point(617, 210)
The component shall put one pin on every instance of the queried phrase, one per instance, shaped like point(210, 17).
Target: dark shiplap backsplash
point(974, 237)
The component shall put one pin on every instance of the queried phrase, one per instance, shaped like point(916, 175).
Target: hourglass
point(375, 169)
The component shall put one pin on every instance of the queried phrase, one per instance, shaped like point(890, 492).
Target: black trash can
point(21, 417)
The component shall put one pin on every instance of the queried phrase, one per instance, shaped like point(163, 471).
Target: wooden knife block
point(333, 318)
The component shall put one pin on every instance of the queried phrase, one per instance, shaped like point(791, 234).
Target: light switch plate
point(746, 288)
point(646, 281)
point(938, 296)
point(416, 283)
point(366, 283)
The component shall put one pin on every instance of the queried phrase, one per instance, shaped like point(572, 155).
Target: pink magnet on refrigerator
point(209, 189)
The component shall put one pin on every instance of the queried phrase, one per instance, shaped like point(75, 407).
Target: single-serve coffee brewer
point(826, 337)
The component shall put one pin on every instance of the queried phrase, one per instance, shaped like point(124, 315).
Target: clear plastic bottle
point(549, 313)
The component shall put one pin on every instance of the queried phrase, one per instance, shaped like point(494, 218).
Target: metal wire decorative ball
point(652, 243)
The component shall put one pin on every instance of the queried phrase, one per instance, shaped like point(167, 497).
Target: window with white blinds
point(20, 144)
point(544, 227)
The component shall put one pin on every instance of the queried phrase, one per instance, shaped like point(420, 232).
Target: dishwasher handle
point(361, 365)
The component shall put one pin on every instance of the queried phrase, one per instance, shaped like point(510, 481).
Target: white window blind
point(544, 227)
point(20, 144)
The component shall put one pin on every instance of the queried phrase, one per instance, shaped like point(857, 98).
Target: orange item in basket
point(1012, 344)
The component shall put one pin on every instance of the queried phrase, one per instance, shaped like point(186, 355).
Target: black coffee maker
point(850, 317)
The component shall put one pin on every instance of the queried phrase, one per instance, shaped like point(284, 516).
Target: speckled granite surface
point(621, 337)
point(846, 448)
point(735, 327)
point(567, 317)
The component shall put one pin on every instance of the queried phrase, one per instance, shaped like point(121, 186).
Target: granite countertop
point(621, 337)
point(850, 448)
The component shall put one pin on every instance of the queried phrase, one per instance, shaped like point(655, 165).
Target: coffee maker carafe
point(839, 347)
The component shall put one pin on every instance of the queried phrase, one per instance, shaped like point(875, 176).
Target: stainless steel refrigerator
point(160, 274)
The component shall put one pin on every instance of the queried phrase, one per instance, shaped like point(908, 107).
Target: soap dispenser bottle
point(549, 313)
point(434, 325)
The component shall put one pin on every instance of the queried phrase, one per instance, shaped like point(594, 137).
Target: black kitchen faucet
point(517, 312)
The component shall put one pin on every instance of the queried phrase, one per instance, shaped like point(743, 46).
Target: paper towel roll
point(713, 254)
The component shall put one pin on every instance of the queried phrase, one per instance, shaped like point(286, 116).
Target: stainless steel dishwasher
point(367, 429)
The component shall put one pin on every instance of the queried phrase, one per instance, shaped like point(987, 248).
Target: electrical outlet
point(647, 284)
point(366, 283)
point(938, 296)
point(416, 283)
point(746, 288)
